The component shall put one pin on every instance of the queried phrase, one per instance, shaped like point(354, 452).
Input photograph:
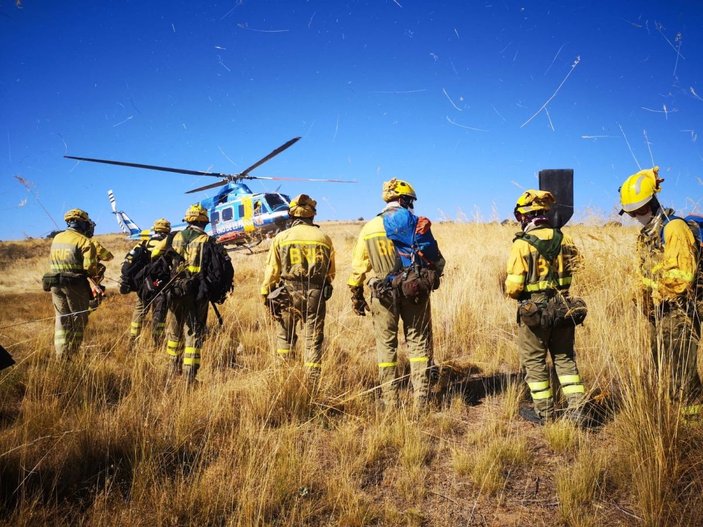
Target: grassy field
point(109, 440)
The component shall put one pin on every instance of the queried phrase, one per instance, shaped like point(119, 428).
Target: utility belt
point(64, 278)
point(413, 284)
point(280, 299)
point(548, 309)
point(302, 286)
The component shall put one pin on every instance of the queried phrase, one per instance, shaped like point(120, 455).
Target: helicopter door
point(248, 218)
point(214, 220)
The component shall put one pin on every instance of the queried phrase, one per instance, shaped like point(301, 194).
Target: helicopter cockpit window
point(227, 214)
point(275, 201)
point(214, 217)
point(258, 207)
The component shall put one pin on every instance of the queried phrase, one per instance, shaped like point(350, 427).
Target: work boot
point(176, 367)
point(387, 405)
point(576, 416)
point(190, 371)
point(419, 408)
point(530, 415)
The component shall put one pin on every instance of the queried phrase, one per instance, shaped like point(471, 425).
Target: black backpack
point(216, 273)
point(133, 265)
point(153, 277)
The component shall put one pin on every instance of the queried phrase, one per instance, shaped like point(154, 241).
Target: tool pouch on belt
point(50, 280)
point(185, 286)
point(278, 301)
point(530, 313)
point(415, 284)
point(383, 291)
point(561, 312)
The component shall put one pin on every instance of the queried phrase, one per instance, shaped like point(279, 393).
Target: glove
point(124, 289)
point(359, 304)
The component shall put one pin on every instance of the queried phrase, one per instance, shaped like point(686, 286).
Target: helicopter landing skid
point(249, 245)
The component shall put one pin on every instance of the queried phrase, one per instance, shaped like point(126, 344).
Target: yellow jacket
point(156, 245)
point(302, 254)
point(72, 252)
point(529, 272)
point(373, 252)
point(668, 270)
point(188, 243)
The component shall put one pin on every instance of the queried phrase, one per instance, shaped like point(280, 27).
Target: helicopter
point(238, 216)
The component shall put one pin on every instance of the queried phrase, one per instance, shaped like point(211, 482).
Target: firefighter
point(668, 267)
point(74, 264)
point(375, 253)
point(103, 255)
point(159, 304)
point(539, 271)
point(188, 309)
point(297, 283)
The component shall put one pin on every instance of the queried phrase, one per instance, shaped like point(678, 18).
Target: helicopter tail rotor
point(125, 222)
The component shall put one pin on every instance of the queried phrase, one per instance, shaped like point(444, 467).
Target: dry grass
point(110, 440)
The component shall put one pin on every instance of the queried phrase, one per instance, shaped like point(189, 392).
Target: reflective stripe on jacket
point(302, 253)
point(373, 252)
point(529, 272)
point(72, 252)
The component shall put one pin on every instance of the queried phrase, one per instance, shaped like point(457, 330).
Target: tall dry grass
point(110, 439)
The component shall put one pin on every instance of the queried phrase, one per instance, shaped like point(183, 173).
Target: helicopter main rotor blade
point(151, 167)
point(272, 154)
point(272, 178)
point(206, 187)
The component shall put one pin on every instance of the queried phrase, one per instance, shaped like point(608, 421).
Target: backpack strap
point(548, 249)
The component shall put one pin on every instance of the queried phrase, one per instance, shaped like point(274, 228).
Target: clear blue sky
point(433, 92)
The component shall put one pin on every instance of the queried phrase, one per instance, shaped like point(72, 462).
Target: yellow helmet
point(533, 201)
point(639, 189)
point(196, 213)
point(76, 215)
point(303, 206)
point(395, 188)
point(162, 225)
